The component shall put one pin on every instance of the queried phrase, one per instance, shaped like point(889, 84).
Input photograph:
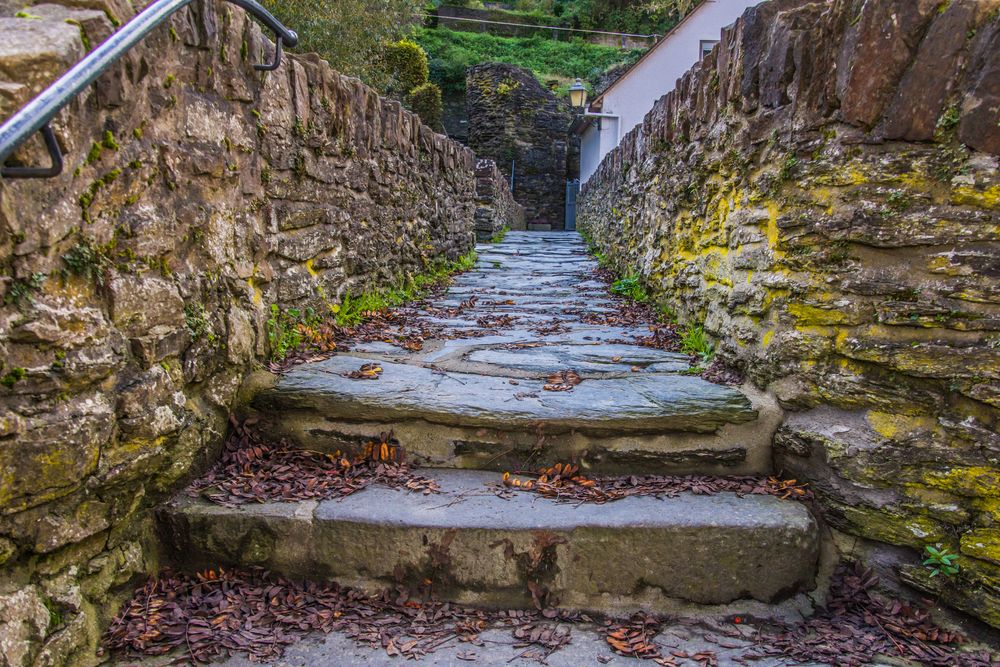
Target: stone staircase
point(467, 406)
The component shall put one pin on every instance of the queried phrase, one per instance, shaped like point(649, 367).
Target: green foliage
point(351, 34)
point(940, 561)
point(406, 66)
point(196, 320)
point(898, 201)
point(288, 329)
point(20, 291)
point(630, 287)
point(352, 309)
point(635, 16)
point(55, 614)
point(452, 52)
point(695, 342)
point(425, 101)
point(285, 330)
point(13, 376)
point(499, 235)
point(788, 167)
point(94, 154)
point(947, 122)
point(87, 261)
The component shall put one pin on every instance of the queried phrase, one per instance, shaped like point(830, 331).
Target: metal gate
point(572, 189)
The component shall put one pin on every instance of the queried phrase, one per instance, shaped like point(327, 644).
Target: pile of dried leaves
point(562, 381)
point(214, 614)
point(254, 470)
point(366, 372)
point(400, 327)
point(564, 483)
point(637, 639)
point(858, 624)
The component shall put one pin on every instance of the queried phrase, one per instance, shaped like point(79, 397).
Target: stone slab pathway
point(475, 394)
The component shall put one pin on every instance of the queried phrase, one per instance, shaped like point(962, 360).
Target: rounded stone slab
point(638, 403)
point(477, 547)
point(606, 358)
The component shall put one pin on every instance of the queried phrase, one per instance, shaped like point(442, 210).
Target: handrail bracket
point(52, 145)
point(270, 67)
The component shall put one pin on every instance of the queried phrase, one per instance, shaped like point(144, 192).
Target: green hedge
point(425, 101)
point(406, 66)
point(451, 52)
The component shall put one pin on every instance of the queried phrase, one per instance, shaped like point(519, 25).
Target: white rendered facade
point(632, 96)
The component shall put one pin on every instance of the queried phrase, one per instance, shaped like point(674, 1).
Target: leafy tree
point(351, 34)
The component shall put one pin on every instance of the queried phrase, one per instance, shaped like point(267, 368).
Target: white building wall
point(632, 96)
point(596, 141)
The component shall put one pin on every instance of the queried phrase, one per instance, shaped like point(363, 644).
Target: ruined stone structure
point(514, 119)
point(497, 209)
point(138, 287)
point(822, 193)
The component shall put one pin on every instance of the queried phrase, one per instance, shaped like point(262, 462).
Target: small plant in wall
point(939, 561)
point(630, 288)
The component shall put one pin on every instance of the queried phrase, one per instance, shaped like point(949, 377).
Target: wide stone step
point(469, 545)
point(484, 406)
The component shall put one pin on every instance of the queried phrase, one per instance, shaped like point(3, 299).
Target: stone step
point(477, 548)
point(480, 404)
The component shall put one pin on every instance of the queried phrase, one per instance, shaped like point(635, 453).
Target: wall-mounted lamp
point(578, 96)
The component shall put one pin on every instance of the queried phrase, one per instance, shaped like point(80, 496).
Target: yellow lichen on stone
point(988, 199)
point(966, 481)
point(894, 426)
point(983, 543)
point(258, 295)
point(816, 316)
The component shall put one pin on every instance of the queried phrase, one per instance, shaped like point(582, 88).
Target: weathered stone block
point(34, 52)
point(24, 620)
point(55, 451)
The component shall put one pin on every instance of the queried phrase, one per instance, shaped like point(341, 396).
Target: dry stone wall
point(514, 119)
point(136, 288)
point(822, 193)
point(497, 209)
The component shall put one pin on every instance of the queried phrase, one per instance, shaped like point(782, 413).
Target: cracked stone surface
point(474, 401)
point(497, 650)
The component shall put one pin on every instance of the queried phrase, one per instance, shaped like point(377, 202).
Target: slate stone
point(638, 403)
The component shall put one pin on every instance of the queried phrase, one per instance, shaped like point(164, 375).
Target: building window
point(706, 47)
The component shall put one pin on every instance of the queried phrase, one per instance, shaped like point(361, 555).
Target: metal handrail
point(38, 113)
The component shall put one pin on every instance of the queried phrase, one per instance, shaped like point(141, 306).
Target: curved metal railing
point(38, 113)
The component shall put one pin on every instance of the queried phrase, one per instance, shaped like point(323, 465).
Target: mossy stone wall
point(135, 287)
point(822, 193)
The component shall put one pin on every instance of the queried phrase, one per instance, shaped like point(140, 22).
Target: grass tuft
point(695, 342)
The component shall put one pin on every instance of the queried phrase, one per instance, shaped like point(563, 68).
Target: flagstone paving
point(479, 401)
